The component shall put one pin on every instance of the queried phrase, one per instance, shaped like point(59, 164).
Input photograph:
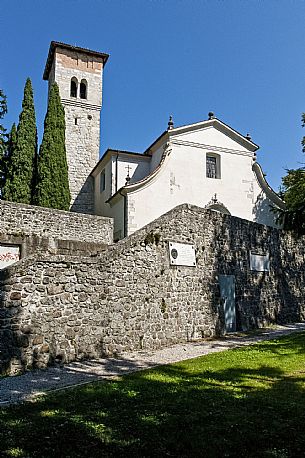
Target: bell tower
point(79, 75)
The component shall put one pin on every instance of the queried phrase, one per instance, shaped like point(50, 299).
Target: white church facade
point(208, 164)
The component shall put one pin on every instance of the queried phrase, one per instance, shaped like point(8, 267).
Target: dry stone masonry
point(129, 297)
point(56, 231)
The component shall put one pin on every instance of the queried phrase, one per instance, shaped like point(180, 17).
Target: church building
point(208, 164)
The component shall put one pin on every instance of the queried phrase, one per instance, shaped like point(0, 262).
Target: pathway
point(34, 383)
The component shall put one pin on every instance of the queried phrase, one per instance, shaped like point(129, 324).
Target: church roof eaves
point(209, 122)
point(58, 44)
point(147, 152)
point(144, 181)
point(119, 152)
point(217, 122)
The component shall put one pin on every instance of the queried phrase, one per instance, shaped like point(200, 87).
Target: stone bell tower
point(78, 73)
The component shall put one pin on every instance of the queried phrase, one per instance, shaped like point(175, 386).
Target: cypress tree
point(3, 139)
point(7, 167)
point(3, 111)
point(52, 189)
point(19, 182)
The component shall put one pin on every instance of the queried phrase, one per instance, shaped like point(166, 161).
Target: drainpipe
point(124, 214)
point(116, 172)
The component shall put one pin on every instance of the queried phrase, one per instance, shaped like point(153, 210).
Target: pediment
point(213, 133)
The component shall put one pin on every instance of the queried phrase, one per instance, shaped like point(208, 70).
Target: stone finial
point(170, 124)
point(211, 115)
point(214, 199)
point(248, 137)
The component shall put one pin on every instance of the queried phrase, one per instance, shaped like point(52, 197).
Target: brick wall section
point(36, 226)
point(129, 298)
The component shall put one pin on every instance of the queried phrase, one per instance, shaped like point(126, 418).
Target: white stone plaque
point(181, 254)
point(259, 263)
point(8, 255)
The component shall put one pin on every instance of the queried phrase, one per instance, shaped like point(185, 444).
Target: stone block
point(15, 296)
point(37, 340)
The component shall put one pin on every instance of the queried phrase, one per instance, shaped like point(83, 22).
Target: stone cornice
point(76, 103)
point(57, 44)
point(175, 141)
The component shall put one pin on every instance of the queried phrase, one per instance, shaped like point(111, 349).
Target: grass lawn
point(247, 402)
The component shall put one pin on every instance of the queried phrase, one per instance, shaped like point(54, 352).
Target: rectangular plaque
point(259, 263)
point(8, 255)
point(181, 254)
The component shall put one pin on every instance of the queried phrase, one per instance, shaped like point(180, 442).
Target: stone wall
point(44, 229)
point(64, 308)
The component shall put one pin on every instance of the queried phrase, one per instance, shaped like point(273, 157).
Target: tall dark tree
point(52, 189)
point(6, 165)
point(19, 182)
point(293, 193)
point(3, 111)
point(3, 138)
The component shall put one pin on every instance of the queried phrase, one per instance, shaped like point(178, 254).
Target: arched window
point(83, 89)
point(73, 87)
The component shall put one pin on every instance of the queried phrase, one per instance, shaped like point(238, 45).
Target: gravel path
point(32, 384)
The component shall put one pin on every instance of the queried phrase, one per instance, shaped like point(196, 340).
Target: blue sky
point(244, 60)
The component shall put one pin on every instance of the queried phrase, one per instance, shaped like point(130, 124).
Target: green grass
point(247, 402)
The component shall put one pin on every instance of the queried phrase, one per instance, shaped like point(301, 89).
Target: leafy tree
point(19, 182)
point(6, 164)
point(293, 193)
point(52, 189)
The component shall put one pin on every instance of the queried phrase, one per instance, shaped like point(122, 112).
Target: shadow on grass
point(27, 386)
point(248, 402)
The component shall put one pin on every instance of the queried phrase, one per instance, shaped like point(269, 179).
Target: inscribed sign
point(181, 254)
point(259, 263)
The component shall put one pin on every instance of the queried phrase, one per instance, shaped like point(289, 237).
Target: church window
point(102, 181)
point(83, 89)
point(73, 87)
point(213, 166)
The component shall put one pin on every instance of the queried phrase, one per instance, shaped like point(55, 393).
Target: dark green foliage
point(52, 189)
point(293, 218)
point(3, 111)
point(6, 164)
point(294, 187)
point(3, 105)
point(19, 181)
point(3, 137)
point(303, 140)
point(293, 193)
